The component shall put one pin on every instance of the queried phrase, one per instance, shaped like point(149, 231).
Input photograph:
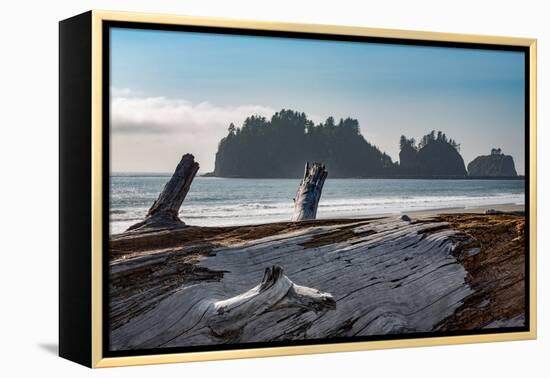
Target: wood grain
point(309, 192)
point(164, 211)
point(305, 280)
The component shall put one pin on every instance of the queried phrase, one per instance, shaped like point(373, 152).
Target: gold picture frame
point(96, 19)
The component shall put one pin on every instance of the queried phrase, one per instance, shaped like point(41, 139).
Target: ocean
point(224, 201)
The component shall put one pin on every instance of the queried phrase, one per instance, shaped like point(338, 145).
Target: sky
point(177, 92)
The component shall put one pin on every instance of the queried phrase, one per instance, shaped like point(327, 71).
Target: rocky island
point(494, 165)
point(277, 148)
point(435, 156)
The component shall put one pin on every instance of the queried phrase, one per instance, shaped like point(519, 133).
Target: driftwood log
point(164, 211)
point(309, 192)
point(315, 279)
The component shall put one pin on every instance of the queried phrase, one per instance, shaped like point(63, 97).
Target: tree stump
point(164, 211)
point(309, 192)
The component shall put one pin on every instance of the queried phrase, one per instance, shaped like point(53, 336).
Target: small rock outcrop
point(406, 218)
point(494, 165)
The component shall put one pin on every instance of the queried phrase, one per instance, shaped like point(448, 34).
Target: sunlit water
point(220, 201)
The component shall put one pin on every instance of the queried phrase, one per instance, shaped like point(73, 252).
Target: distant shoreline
point(209, 175)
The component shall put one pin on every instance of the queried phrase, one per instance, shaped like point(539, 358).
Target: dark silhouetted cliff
point(435, 156)
point(279, 147)
point(494, 165)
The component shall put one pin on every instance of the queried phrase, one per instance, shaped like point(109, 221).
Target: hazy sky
point(177, 92)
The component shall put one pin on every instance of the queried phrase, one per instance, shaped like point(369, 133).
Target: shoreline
point(504, 208)
point(519, 177)
point(424, 213)
point(207, 175)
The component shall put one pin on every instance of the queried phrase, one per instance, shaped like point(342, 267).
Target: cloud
point(162, 115)
point(151, 133)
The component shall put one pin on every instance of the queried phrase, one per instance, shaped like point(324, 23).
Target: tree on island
point(278, 147)
point(435, 155)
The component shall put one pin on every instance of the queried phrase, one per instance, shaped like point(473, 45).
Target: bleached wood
point(164, 211)
point(341, 279)
point(309, 192)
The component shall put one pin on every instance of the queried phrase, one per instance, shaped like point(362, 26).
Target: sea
point(215, 201)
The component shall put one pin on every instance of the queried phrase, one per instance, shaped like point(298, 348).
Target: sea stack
point(434, 156)
point(494, 165)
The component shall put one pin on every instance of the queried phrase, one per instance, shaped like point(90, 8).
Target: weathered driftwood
point(164, 211)
point(496, 272)
point(307, 280)
point(309, 192)
point(242, 315)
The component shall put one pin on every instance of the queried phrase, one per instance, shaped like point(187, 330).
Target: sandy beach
point(505, 208)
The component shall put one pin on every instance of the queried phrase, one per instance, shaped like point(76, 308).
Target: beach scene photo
point(269, 190)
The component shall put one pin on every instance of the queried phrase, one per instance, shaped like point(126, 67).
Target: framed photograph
point(235, 189)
